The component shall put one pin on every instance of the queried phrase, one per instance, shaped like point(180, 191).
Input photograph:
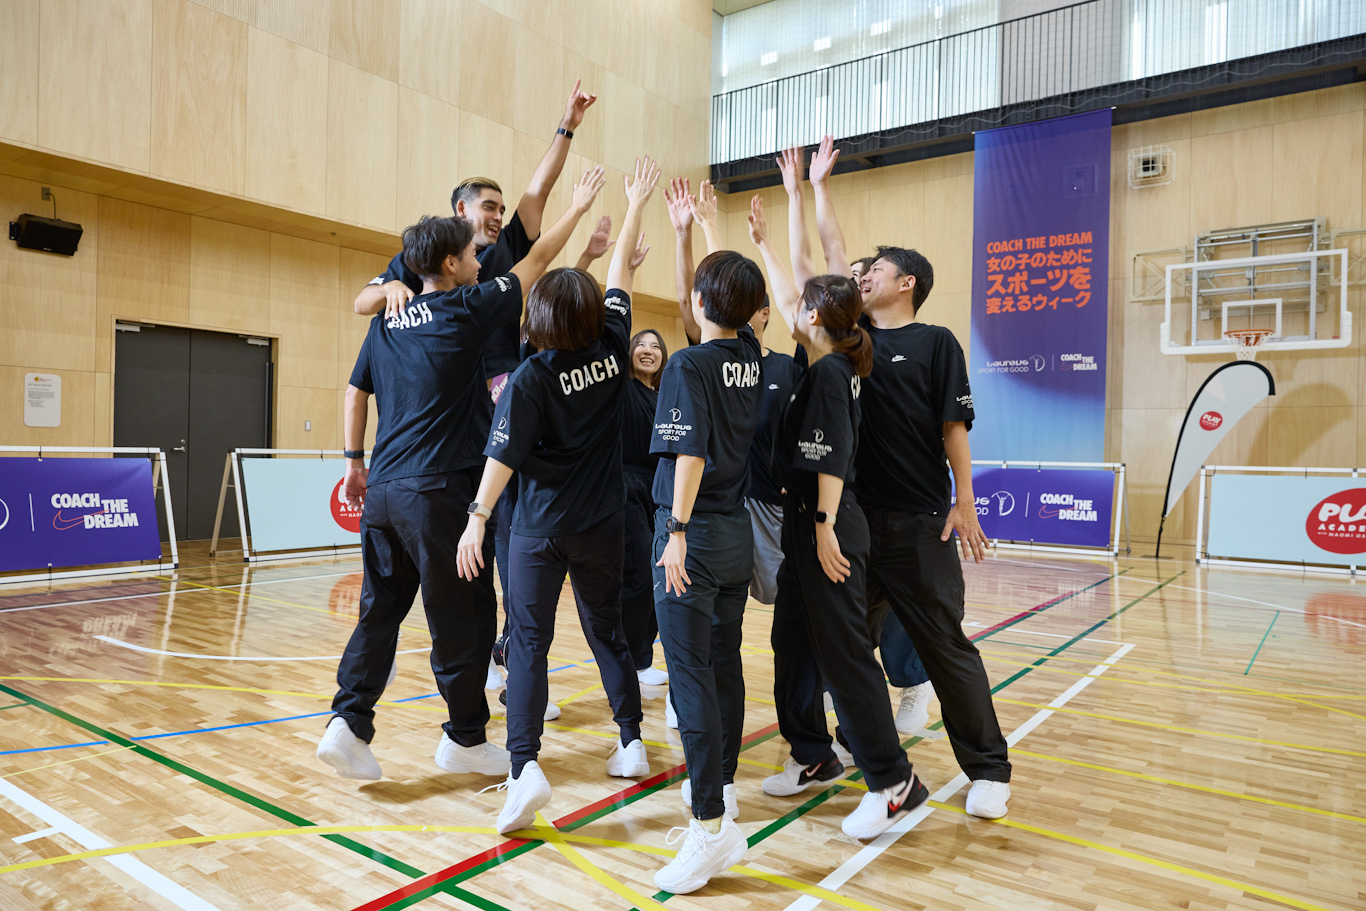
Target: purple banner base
point(1049, 506)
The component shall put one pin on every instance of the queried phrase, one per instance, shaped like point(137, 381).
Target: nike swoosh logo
point(895, 808)
point(809, 773)
point(70, 522)
point(1044, 513)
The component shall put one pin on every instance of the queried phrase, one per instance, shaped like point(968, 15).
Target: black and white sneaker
point(878, 810)
point(795, 777)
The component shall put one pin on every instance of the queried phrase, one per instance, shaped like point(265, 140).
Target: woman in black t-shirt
point(649, 354)
point(821, 614)
point(558, 426)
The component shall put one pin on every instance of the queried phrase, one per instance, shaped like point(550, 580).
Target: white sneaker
point(827, 701)
point(552, 711)
point(494, 679)
point(670, 716)
point(347, 754)
point(628, 760)
point(652, 676)
point(880, 809)
point(732, 802)
point(393, 673)
point(845, 757)
point(702, 856)
point(526, 795)
point(482, 759)
point(914, 711)
point(795, 777)
point(988, 799)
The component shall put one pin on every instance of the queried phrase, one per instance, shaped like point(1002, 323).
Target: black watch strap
point(354, 453)
point(567, 134)
point(673, 526)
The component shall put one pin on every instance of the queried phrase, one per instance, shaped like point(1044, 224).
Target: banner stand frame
point(1121, 504)
point(158, 474)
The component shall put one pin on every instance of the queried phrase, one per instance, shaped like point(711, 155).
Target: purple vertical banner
point(76, 512)
point(1040, 264)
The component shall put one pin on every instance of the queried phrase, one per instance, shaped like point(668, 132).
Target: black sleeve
point(800, 358)
point(514, 237)
point(616, 327)
point(682, 423)
point(516, 425)
point(826, 443)
point(495, 303)
point(951, 370)
point(360, 374)
point(398, 271)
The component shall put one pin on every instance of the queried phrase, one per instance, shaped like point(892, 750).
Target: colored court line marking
point(595, 873)
point(157, 651)
point(1040, 608)
point(1189, 785)
point(1262, 643)
point(583, 692)
point(17, 705)
point(320, 610)
point(1196, 731)
point(64, 762)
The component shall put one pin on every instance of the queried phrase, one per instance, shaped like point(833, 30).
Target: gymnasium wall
point(246, 165)
point(1286, 158)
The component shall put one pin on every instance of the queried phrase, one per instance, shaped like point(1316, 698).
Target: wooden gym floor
point(1181, 738)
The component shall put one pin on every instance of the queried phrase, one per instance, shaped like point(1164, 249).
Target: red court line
point(434, 879)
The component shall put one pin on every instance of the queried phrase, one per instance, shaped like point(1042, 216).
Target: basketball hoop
point(1247, 341)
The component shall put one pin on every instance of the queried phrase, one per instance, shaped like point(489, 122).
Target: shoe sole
point(341, 762)
point(638, 771)
point(874, 832)
point(693, 885)
point(1004, 811)
point(469, 768)
point(912, 727)
point(772, 792)
point(525, 818)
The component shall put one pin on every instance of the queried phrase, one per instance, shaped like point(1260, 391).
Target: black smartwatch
point(354, 453)
point(673, 526)
point(825, 518)
point(567, 134)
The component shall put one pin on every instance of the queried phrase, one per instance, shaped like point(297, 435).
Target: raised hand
point(588, 187)
point(638, 256)
point(578, 104)
point(678, 196)
point(823, 162)
point(599, 242)
point(790, 164)
point(639, 187)
point(704, 205)
point(758, 225)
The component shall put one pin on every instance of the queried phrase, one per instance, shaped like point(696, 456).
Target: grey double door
point(196, 395)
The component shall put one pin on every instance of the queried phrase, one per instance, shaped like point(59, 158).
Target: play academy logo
point(344, 514)
point(90, 510)
point(1211, 420)
point(1338, 523)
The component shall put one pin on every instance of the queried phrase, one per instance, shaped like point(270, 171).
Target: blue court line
point(221, 727)
point(1263, 642)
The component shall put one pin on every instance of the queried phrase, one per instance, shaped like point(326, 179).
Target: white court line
point(1030, 632)
point(157, 651)
point(851, 867)
point(10, 610)
point(176, 894)
point(41, 833)
point(1264, 605)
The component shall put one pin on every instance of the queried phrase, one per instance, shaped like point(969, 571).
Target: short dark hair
point(564, 311)
point(731, 287)
point(663, 350)
point(427, 243)
point(471, 188)
point(910, 262)
point(839, 304)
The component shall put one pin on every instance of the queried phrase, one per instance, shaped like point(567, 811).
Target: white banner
point(296, 503)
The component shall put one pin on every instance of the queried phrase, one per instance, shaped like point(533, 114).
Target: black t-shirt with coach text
point(424, 369)
point(708, 405)
point(558, 424)
point(501, 353)
point(781, 374)
point(919, 382)
point(638, 425)
point(818, 431)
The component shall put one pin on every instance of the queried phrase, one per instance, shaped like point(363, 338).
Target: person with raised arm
point(558, 425)
point(820, 620)
point(917, 411)
point(424, 367)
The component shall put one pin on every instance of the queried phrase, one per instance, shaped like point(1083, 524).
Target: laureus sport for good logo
point(1338, 523)
point(345, 515)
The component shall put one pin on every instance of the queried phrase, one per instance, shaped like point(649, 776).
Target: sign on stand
point(1069, 507)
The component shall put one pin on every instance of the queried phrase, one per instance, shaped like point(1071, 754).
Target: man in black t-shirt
point(424, 367)
point(917, 410)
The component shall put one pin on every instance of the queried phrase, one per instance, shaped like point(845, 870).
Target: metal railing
point(1067, 50)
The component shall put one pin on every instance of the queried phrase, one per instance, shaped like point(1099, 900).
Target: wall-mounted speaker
point(52, 235)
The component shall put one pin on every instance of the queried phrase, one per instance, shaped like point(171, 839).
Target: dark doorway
point(197, 395)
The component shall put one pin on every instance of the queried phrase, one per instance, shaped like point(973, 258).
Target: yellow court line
point(604, 734)
point(595, 873)
point(1172, 727)
point(320, 610)
point(1145, 859)
point(583, 692)
point(1016, 751)
point(65, 762)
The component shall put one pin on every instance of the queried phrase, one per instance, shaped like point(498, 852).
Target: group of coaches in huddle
point(840, 513)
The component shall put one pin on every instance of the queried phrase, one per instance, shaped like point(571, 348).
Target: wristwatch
point(477, 510)
point(825, 518)
point(566, 133)
point(673, 526)
point(353, 453)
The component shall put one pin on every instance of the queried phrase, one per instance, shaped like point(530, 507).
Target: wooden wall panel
point(362, 146)
point(485, 86)
point(428, 158)
point(229, 276)
point(355, 269)
point(78, 410)
point(1230, 179)
point(95, 78)
point(538, 97)
point(199, 96)
point(19, 74)
point(487, 150)
point(304, 310)
point(286, 123)
point(365, 34)
point(1318, 169)
point(429, 56)
point(299, 406)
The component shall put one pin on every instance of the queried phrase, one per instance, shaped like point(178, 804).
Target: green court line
point(1034, 612)
point(247, 797)
point(17, 705)
point(1263, 642)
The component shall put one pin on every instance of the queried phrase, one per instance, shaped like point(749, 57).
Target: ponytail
point(839, 303)
point(857, 345)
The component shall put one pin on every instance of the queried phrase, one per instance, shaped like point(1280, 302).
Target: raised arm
point(790, 164)
point(832, 238)
point(599, 242)
point(620, 273)
point(531, 207)
point(679, 197)
point(704, 213)
point(785, 293)
point(544, 251)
